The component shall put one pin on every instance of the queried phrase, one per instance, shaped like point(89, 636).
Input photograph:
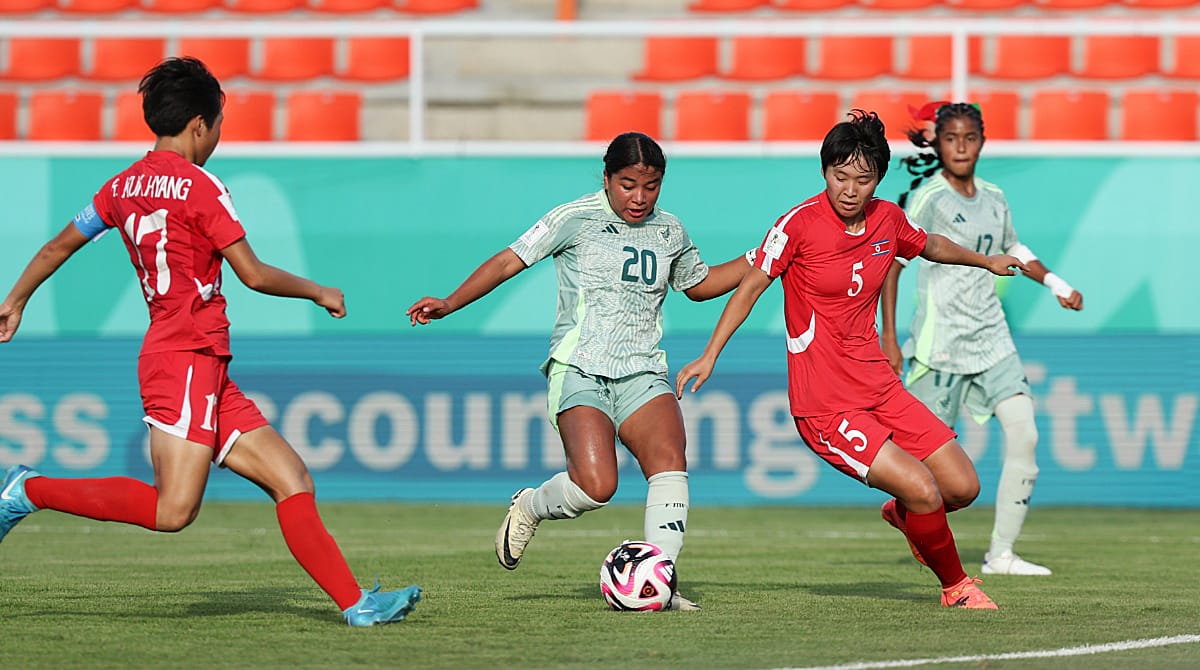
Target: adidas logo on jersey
point(959, 218)
point(610, 228)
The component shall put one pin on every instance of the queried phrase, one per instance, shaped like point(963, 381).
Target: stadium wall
point(455, 412)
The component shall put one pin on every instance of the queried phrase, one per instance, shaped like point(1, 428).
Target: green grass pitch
point(782, 587)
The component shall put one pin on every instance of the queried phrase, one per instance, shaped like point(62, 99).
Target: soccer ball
point(637, 576)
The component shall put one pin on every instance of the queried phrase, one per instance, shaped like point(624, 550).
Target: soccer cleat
point(14, 504)
point(967, 595)
point(1009, 563)
point(889, 514)
point(515, 533)
point(682, 604)
point(377, 607)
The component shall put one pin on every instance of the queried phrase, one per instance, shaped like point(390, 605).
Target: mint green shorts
point(618, 398)
point(947, 393)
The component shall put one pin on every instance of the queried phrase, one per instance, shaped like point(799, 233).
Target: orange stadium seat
point(124, 59)
point(96, 6)
point(897, 5)
point(8, 115)
point(323, 116)
point(1000, 111)
point(179, 6)
point(758, 58)
point(347, 6)
point(610, 113)
point(1069, 115)
point(64, 115)
point(42, 58)
point(249, 116)
point(853, 57)
point(295, 58)
point(1030, 57)
point(262, 6)
point(892, 108)
point(1159, 4)
point(1159, 114)
point(24, 6)
point(1118, 56)
point(225, 57)
point(984, 5)
point(436, 6)
point(727, 5)
point(130, 123)
point(929, 57)
point(376, 59)
point(792, 116)
point(1072, 5)
point(811, 5)
point(712, 116)
point(1187, 58)
point(678, 58)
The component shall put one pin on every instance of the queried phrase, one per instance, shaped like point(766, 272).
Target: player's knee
point(174, 518)
point(1020, 443)
point(961, 496)
point(921, 496)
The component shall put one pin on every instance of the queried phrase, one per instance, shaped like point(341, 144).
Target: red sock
point(109, 499)
point(931, 535)
point(315, 549)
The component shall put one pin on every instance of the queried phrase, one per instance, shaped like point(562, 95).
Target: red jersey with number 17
point(831, 285)
point(175, 218)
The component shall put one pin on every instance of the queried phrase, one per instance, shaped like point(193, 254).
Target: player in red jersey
point(179, 224)
point(833, 252)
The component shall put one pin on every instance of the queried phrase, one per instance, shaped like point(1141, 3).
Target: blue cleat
point(380, 607)
point(14, 504)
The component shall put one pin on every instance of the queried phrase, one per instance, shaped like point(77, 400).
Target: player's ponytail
point(925, 164)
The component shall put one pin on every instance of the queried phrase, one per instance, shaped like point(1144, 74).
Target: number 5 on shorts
point(856, 438)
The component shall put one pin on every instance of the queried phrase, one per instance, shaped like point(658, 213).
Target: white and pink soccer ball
point(637, 576)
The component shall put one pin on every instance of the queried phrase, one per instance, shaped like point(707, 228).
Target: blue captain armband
point(88, 222)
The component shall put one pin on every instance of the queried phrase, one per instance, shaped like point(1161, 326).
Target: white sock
point(1019, 472)
point(560, 498)
point(667, 511)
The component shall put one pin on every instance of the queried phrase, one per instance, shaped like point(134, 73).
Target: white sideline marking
point(1084, 650)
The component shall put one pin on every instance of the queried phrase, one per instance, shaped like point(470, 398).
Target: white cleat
point(516, 532)
point(1009, 563)
point(682, 604)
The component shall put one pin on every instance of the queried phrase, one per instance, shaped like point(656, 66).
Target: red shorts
point(849, 441)
point(189, 394)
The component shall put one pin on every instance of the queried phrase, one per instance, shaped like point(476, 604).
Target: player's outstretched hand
point(1073, 301)
point(333, 300)
point(701, 369)
point(10, 318)
point(1005, 265)
point(427, 309)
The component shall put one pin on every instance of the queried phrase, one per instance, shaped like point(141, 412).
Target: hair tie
point(928, 111)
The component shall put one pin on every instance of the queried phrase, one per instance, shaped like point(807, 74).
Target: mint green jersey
point(959, 325)
point(612, 279)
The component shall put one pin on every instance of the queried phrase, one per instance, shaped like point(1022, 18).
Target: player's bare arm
point(753, 283)
point(492, 273)
point(941, 249)
point(1068, 297)
point(887, 335)
point(43, 264)
point(265, 278)
point(721, 279)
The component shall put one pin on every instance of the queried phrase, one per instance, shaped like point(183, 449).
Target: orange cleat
point(968, 595)
point(889, 514)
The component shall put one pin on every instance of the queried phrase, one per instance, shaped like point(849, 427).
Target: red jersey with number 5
point(175, 218)
point(831, 285)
